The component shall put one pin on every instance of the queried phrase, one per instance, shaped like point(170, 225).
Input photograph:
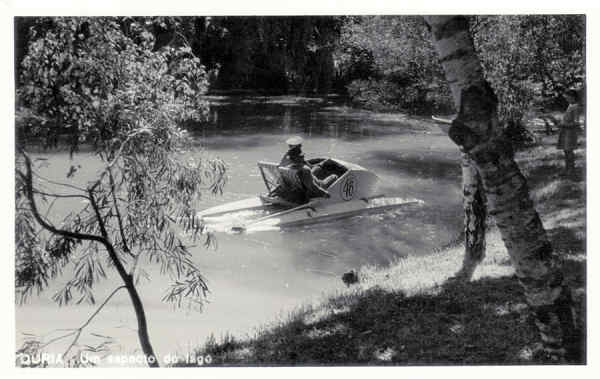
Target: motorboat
point(354, 192)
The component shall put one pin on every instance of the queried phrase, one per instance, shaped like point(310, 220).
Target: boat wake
point(254, 221)
point(234, 222)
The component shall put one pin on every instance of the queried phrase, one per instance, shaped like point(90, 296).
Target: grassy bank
point(407, 314)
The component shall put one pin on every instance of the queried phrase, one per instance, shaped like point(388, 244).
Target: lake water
point(256, 278)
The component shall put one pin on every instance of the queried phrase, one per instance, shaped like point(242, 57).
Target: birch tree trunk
point(475, 214)
point(477, 132)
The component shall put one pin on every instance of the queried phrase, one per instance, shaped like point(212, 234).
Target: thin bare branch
point(58, 183)
point(135, 264)
point(58, 339)
point(79, 330)
point(50, 208)
point(118, 214)
point(58, 195)
point(28, 179)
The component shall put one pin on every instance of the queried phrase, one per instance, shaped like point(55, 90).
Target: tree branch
point(130, 285)
point(118, 214)
point(50, 208)
point(79, 330)
point(58, 339)
point(28, 179)
point(58, 195)
point(59, 183)
point(109, 247)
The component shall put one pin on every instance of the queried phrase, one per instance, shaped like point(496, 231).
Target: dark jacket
point(309, 181)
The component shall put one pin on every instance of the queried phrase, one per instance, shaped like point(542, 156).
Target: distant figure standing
point(569, 127)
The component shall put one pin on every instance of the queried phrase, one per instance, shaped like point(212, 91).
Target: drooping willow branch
point(117, 156)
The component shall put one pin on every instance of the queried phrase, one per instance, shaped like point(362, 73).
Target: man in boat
point(295, 150)
point(311, 185)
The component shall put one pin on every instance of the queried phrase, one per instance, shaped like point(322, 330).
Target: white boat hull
point(255, 213)
point(253, 203)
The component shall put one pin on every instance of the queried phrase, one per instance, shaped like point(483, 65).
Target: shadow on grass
point(549, 165)
point(477, 323)
point(566, 240)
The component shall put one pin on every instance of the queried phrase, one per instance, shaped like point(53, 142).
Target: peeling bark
point(475, 219)
point(477, 133)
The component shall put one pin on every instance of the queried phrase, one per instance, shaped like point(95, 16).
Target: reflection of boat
point(352, 193)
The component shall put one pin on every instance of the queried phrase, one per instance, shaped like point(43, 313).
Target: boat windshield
point(270, 175)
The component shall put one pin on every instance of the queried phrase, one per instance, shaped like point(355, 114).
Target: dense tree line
point(380, 62)
point(273, 54)
point(277, 54)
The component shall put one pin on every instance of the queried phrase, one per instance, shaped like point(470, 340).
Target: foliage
point(558, 62)
point(530, 60)
point(278, 54)
point(86, 77)
point(321, 53)
point(354, 63)
point(34, 265)
point(102, 82)
point(377, 95)
point(391, 52)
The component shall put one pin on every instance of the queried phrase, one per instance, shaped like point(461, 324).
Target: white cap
point(294, 141)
